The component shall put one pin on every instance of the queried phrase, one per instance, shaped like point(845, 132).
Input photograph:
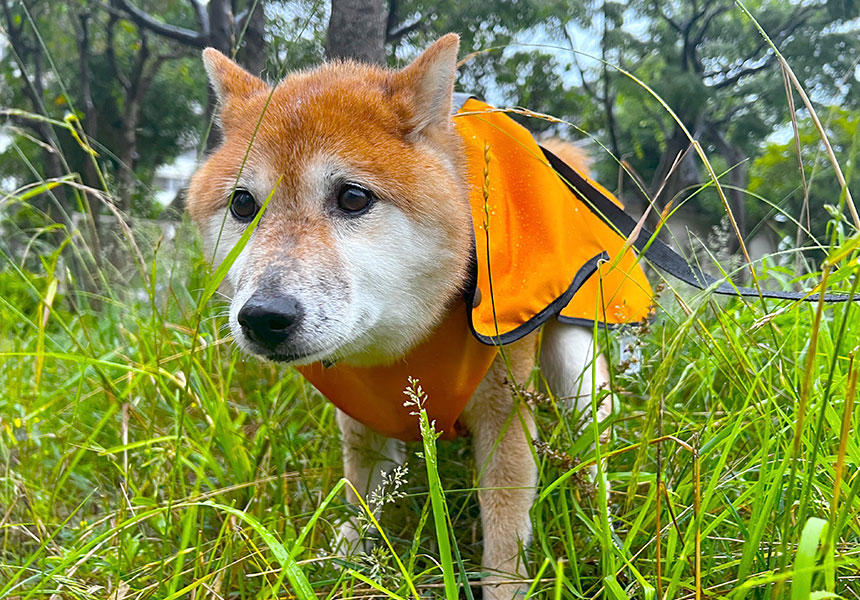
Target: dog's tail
point(574, 155)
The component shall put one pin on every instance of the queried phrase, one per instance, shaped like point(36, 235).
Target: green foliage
point(712, 67)
point(707, 61)
point(533, 80)
point(296, 35)
point(118, 60)
point(520, 75)
point(774, 174)
point(19, 299)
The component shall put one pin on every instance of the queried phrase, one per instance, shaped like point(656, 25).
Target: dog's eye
point(243, 207)
point(353, 199)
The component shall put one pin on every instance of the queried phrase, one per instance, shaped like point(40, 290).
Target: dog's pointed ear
point(228, 79)
point(430, 78)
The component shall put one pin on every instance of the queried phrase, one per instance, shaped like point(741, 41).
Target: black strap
point(550, 310)
point(659, 253)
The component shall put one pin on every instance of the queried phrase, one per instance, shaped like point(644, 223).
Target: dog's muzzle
point(268, 320)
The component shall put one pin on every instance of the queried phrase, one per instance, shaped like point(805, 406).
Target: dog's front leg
point(502, 431)
point(366, 456)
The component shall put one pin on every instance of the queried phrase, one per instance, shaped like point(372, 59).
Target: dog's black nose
point(269, 320)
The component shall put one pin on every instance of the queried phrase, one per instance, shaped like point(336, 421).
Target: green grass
point(143, 456)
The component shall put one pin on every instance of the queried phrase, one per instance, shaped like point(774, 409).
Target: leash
point(659, 253)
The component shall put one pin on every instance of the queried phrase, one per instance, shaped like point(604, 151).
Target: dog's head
point(366, 239)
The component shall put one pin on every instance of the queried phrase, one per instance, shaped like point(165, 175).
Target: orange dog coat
point(537, 246)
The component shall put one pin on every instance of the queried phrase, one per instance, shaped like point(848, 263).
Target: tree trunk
point(220, 38)
point(356, 30)
point(128, 155)
point(220, 25)
point(90, 126)
point(252, 44)
point(91, 123)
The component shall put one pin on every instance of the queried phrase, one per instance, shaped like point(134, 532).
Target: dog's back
point(573, 154)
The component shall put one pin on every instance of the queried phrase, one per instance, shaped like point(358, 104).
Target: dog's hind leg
point(502, 431)
point(367, 455)
point(575, 369)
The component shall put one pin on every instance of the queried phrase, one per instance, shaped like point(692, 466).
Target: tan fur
point(573, 155)
point(391, 132)
point(507, 475)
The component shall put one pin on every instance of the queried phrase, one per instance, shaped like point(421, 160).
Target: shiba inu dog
point(362, 269)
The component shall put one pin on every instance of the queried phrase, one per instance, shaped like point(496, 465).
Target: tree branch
point(140, 59)
point(143, 19)
point(110, 51)
point(699, 14)
point(658, 6)
point(700, 35)
point(10, 22)
point(608, 104)
point(722, 121)
point(393, 16)
point(32, 87)
point(240, 18)
point(743, 73)
point(585, 85)
point(403, 30)
point(798, 20)
point(201, 15)
point(750, 56)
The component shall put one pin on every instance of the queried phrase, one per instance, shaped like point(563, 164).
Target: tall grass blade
point(374, 585)
point(804, 562)
point(437, 493)
point(614, 589)
point(222, 269)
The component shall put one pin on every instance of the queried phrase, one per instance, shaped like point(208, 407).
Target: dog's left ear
point(430, 79)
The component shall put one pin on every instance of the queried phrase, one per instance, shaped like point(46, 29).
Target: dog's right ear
point(229, 80)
